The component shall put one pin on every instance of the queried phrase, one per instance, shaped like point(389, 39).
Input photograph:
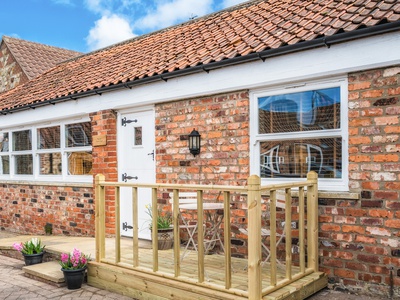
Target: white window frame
point(35, 152)
point(328, 184)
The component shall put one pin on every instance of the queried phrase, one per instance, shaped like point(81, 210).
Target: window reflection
point(49, 137)
point(302, 111)
point(80, 163)
point(138, 136)
point(50, 164)
point(22, 140)
point(23, 164)
point(295, 158)
point(5, 159)
point(79, 135)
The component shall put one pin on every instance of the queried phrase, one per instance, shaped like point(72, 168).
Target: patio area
point(108, 277)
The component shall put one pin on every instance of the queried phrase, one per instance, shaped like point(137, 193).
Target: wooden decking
point(145, 273)
point(128, 281)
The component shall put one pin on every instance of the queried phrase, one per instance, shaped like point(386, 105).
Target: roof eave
point(326, 41)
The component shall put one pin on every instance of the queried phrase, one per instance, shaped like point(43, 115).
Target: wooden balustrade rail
point(307, 214)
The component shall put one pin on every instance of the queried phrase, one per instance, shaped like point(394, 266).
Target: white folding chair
point(187, 198)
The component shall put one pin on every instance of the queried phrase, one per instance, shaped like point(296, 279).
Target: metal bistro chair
point(188, 201)
point(265, 233)
point(187, 198)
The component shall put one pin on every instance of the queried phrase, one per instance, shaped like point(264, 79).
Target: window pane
point(78, 135)
point(80, 163)
point(50, 164)
point(48, 138)
point(4, 146)
point(302, 111)
point(4, 159)
point(138, 136)
point(22, 140)
point(295, 158)
point(23, 164)
point(4, 164)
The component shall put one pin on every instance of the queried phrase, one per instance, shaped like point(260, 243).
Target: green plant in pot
point(32, 250)
point(164, 228)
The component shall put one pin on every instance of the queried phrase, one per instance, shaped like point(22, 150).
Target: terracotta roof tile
point(35, 58)
point(250, 27)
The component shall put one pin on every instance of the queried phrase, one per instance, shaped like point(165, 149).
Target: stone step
point(49, 272)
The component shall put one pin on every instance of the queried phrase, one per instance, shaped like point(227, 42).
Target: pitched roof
point(35, 58)
point(246, 31)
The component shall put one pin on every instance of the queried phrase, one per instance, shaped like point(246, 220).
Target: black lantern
point(194, 142)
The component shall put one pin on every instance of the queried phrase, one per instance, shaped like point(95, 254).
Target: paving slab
point(50, 271)
point(14, 285)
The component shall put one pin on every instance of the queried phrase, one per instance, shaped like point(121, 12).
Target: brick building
point(22, 60)
point(274, 89)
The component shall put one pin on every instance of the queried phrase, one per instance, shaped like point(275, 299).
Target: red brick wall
point(223, 123)
point(358, 236)
point(105, 158)
point(27, 208)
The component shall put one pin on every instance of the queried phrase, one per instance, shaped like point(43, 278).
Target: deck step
point(49, 272)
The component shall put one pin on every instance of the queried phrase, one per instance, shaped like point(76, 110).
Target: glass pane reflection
point(296, 158)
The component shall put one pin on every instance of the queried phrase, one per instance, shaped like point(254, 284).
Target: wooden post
point(227, 241)
point(272, 227)
point(312, 221)
point(117, 225)
point(301, 229)
point(177, 239)
point(288, 232)
point(99, 217)
point(200, 236)
point(254, 238)
point(154, 227)
point(135, 224)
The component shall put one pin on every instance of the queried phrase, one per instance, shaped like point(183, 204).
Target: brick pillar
point(104, 124)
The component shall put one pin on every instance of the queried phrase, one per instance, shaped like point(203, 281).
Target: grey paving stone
point(15, 286)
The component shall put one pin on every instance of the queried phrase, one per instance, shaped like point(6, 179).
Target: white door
point(136, 164)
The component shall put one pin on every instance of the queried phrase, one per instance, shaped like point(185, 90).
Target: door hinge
point(125, 177)
point(124, 121)
point(125, 226)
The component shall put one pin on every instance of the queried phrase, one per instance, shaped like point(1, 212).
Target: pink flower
point(74, 260)
point(64, 257)
point(18, 247)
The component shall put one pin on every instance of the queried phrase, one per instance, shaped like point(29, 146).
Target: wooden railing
point(306, 192)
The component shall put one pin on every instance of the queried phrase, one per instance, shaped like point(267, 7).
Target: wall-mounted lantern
point(194, 142)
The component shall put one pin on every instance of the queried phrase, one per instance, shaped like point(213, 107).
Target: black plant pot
point(74, 278)
point(33, 259)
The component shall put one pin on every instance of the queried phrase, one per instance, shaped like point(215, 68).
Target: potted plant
point(164, 228)
point(32, 250)
point(74, 266)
